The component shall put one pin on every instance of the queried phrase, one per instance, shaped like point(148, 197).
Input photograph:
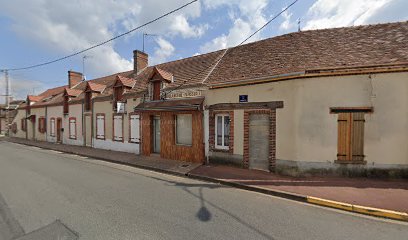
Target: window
point(66, 106)
point(88, 98)
point(72, 128)
point(350, 138)
point(119, 94)
point(134, 128)
point(184, 129)
point(156, 90)
point(222, 131)
point(52, 127)
point(23, 124)
point(41, 125)
point(100, 126)
point(118, 128)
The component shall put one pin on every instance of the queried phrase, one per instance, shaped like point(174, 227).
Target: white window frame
point(222, 146)
point(118, 137)
point(175, 130)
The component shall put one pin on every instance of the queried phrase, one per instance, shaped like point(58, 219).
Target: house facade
point(322, 101)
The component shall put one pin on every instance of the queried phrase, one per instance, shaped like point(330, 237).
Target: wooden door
point(259, 141)
point(88, 131)
point(59, 126)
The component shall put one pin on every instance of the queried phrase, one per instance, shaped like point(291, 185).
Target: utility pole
point(145, 35)
point(7, 100)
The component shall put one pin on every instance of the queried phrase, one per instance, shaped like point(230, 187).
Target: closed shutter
point(118, 128)
point(72, 128)
point(52, 127)
point(357, 140)
point(350, 141)
point(100, 127)
point(343, 137)
point(135, 128)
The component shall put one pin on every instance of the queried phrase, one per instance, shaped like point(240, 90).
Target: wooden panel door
point(259, 141)
point(59, 127)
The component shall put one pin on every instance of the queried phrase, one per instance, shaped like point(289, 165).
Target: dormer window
point(88, 99)
point(158, 80)
point(66, 106)
point(121, 85)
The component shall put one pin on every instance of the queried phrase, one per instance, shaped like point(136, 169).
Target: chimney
point(140, 60)
point(74, 78)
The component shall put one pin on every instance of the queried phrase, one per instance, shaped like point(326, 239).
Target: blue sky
point(34, 31)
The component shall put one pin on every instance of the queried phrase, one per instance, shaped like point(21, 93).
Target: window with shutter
point(134, 128)
point(100, 126)
point(184, 129)
point(350, 136)
point(118, 128)
point(52, 127)
point(72, 128)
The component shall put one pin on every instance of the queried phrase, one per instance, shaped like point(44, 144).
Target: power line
point(227, 52)
point(102, 43)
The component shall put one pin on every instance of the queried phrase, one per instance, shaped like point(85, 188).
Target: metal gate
point(259, 141)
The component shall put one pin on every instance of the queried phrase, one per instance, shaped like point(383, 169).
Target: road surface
point(98, 200)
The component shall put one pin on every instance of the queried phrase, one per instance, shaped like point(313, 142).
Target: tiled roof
point(96, 87)
point(127, 82)
point(52, 91)
point(300, 51)
point(73, 92)
point(164, 74)
point(35, 98)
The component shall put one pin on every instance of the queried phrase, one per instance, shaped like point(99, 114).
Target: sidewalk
point(151, 163)
point(383, 194)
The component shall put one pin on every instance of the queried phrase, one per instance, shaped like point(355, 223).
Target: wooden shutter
point(343, 137)
point(72, 128)
point(100, 127)
point(135, 128)
point(156, 90)
point(357, 138)
point(118, 128)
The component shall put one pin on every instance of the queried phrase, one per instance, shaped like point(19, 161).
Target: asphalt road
point(99, 200)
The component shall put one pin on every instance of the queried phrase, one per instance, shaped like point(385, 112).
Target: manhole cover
point(185, 165)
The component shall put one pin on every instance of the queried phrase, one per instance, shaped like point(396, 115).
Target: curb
point(376, 212)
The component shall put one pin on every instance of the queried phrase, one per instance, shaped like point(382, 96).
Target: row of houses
point(323, 100)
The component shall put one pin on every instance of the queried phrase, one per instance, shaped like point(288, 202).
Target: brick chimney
point(74, 78)
point(140, 60)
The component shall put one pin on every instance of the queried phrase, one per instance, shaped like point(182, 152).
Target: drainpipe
point(92, 123)
point(46, 123)
point(83, 120)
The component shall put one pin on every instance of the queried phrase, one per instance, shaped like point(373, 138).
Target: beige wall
point(21, 113)
point(106, 108)
point(53, 112)
point(306, 131)
point(38, 112)
point(75, 110)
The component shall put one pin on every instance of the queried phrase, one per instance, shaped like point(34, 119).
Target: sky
point(36, 31)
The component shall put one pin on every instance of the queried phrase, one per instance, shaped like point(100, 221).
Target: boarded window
point(350, 142)
point(100, 126)
point(222, 129)
point(134, 128)
point(52, 127)
point(72, 128)
point(66, 106)
point(118, 128)
point(156, 90)
point(184, 129)
point(88, 101)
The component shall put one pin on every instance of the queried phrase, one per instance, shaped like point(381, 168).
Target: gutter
point(314, 73)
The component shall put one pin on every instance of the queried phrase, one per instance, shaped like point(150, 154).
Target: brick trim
point(272, 136)
point(211, 129)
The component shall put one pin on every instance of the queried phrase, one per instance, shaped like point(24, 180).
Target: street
point(100, 200)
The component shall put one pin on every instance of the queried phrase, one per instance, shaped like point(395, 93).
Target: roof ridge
point(215, 65)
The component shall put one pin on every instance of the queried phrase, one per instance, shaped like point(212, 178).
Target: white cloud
point(63, 27)
point(340, 13)
point(287, 21)
point(246, 17)
point(164, 50)
point(20, 87)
